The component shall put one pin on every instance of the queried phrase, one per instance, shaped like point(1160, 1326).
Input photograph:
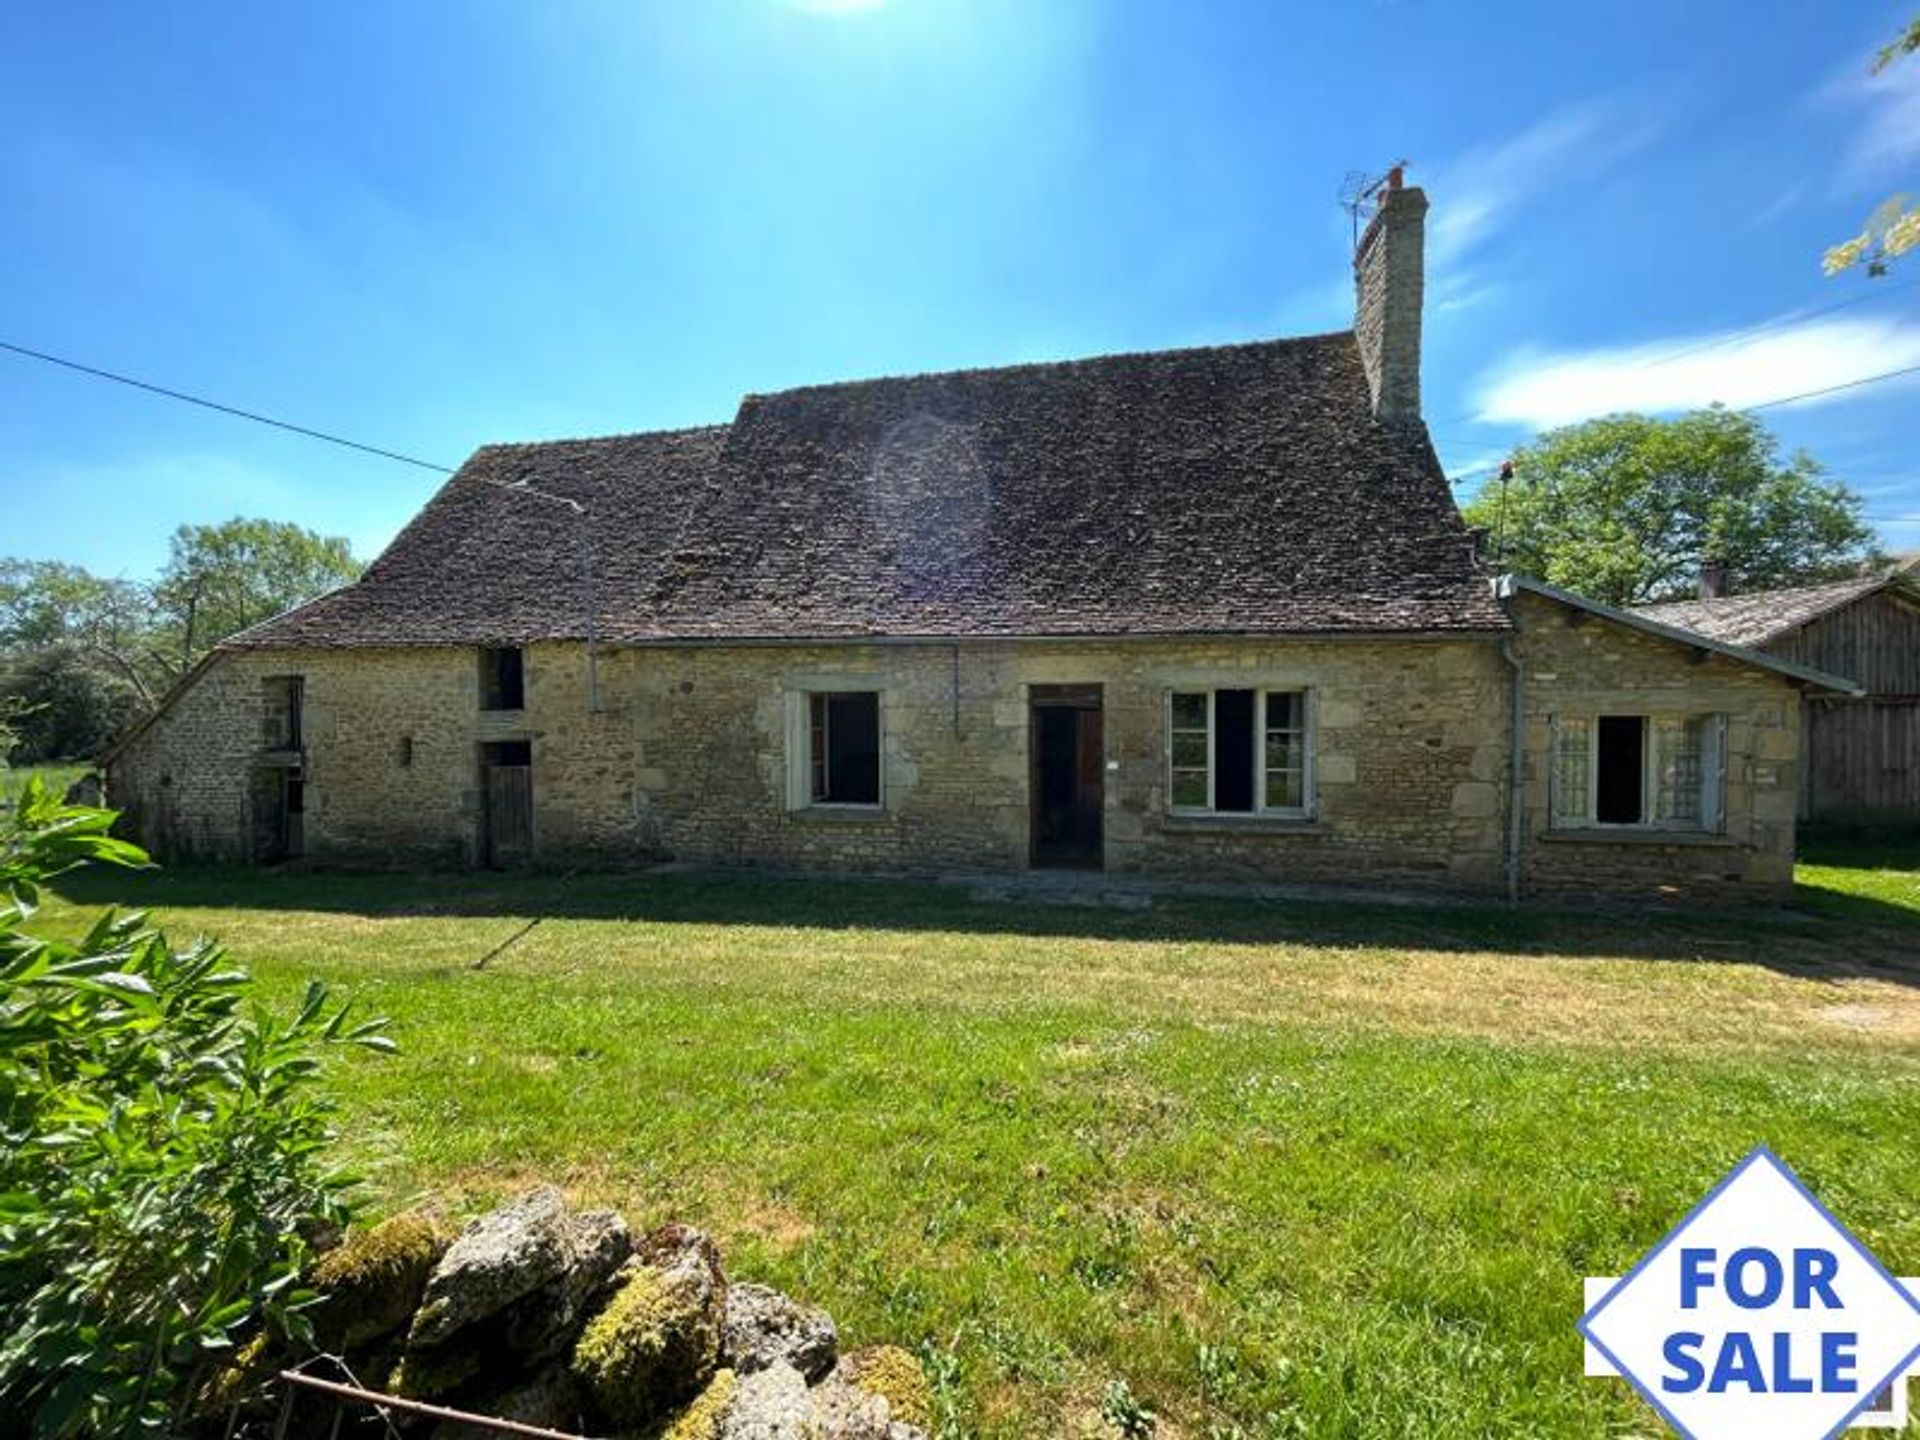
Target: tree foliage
point(1625, 509)
point(220, 579)
point(65, 704)
point(1894, 227)
point(161, 1151)
point(139, 638)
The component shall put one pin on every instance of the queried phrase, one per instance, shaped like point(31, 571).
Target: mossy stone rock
point(765, 1328)
point(497, 1259)
point(374, 1279)
point(877, 1393)
point(656, 1344)
point(703, 1419)
point(550, 1400)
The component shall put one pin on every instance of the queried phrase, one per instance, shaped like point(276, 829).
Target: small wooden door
point(506, 822)
point(1068, 782)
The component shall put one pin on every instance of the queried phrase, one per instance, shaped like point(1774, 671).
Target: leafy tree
point(47, 603)
point(1894, 227)
point(1625, 509)
point(67, 706)
point(161, 1152)
point(221, 579)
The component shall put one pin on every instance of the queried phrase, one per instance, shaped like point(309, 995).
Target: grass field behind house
point(56, 777)
point(1312, 1169)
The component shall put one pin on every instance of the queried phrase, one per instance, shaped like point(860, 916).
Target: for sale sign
point(1759, 1316)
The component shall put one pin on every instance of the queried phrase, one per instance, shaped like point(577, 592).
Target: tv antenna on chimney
point(1360, 187)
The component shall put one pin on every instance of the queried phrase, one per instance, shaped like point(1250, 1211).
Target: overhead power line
point(1735, 337)
point(233, 410)
point(1758, 405)
point(1833, 389)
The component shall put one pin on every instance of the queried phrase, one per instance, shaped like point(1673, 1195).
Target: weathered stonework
point(1585, 666)
point(1389, 275)
point(685, 756)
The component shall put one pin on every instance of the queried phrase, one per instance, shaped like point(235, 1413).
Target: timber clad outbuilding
point(1205, 614)
point(1862, 752)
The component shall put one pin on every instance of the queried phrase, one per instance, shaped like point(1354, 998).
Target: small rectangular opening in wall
point(507, 752)
point(503, 678)
point(405, 753)
point(1620, 788)
point(281, 703)
point(844, 729)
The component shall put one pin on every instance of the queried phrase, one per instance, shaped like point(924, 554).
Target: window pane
point(817, 726)
point(1572, 755)
point(1190, 712)
point(1190, 789)
point(1283, 750)
point(1284, 709)
point(1190, 751)
point(1284, 790)
point(1678, 755)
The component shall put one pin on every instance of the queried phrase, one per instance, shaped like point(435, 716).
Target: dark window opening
point(282, 696)
point(507, 752)
point(503, 683)
point(1233, 752)
point(1620, 789)
point(845, 733)
point(406, 752)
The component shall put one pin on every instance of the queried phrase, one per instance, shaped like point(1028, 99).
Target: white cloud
point(1546, 388)
point(1477, 195)
point(1886, 138)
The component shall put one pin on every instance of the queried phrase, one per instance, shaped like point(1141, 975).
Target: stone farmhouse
point(1860, 753)
point(1206, 613)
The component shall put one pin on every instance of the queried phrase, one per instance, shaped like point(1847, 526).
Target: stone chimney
point(1713, 579)
point(1389, 281)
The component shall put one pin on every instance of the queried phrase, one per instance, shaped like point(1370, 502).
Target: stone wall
point(686, 755)
point(1579, 665)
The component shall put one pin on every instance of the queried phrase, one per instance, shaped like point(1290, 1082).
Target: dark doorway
point(1620, 791)
point(1069, 776)
point(279, 814)
point(506, 804)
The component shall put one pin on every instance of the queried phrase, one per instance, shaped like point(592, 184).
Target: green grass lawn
point(1316, 1169)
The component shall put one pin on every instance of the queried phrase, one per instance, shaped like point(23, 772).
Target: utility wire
point(1734, 337)
point(1759, 405)
point(223, 409)
point(1833, 389)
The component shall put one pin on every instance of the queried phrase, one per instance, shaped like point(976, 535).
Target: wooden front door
point(506, 799)
point(1068, 783)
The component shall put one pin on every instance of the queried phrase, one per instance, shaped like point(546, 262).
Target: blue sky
point(433, 225)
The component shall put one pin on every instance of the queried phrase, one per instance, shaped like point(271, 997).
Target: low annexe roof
point(1231, 490)
point(1509, 586)
point(1766, 615)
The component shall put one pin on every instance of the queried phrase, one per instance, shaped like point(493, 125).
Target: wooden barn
point(1862, 753)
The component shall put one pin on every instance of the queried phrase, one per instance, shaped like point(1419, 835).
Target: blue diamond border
point(1754, 1156)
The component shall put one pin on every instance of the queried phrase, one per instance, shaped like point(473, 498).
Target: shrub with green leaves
point(162, 1151)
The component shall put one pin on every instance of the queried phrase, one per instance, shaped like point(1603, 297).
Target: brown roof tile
point(1239, 489)
point(1763, 615)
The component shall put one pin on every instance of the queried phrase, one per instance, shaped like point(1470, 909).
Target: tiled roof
point(1239, 489)
point(1763, 615)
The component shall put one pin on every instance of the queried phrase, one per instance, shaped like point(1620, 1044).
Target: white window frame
point(1713, 773)
point(1308, 740)
point(800, 745)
